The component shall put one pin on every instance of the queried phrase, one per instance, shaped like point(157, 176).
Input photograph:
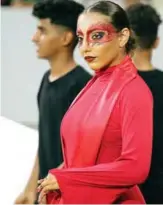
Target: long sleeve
point(132, 167)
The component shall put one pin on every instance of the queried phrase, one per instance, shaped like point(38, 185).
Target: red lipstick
point(89, 58)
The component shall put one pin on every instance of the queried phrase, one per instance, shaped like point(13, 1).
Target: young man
point(55, 39)
point(145, 22)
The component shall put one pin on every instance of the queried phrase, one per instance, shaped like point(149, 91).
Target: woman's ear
point(124, 37)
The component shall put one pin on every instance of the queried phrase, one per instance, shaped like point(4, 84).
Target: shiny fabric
point(106, 140)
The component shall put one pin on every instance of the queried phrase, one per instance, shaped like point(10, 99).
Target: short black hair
point(144, 21)
point(60, 12)
point(117, 16)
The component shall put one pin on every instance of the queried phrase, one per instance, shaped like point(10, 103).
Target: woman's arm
point(132, 167)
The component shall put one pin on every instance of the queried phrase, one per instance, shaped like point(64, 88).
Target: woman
point(107, 131)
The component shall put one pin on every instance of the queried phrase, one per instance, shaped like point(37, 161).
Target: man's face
point(48, 39)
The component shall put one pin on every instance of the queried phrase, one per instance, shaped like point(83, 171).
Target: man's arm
point(32, 182)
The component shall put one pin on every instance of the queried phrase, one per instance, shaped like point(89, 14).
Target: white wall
point(21, 71)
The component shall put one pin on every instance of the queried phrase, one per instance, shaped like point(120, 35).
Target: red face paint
point(98, 34)
point(80, 35)
point(79, 32)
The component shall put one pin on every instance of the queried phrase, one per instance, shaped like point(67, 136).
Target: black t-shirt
point(54, 98)
point(154, 184)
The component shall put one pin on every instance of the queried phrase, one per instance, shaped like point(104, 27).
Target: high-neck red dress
point(106, 140)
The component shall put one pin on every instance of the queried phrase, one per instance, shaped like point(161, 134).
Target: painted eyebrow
point(101, 26)
point(79, 32)
point(92, 28)
point(97, 26)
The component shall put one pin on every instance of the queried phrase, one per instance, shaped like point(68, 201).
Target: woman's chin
point(95, 67)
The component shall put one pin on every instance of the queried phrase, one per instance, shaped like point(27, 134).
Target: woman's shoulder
point(136, 92)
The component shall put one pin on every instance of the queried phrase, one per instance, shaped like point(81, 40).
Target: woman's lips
point(89, 58)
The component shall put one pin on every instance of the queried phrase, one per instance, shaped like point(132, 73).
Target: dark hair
point(144, 21)
point(117, 16)
point(60, 12)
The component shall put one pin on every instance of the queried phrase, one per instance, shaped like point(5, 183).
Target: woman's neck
point(118, 59)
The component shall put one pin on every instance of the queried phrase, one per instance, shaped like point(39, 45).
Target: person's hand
point(26, 197)
point(45, 185)
point(43, 200)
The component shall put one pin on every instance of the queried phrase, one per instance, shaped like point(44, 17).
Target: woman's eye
point(80, 39)
point(98, 35)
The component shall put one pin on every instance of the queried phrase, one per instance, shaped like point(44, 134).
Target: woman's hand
point(45, 185)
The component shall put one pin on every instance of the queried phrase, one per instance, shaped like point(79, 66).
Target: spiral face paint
point(97, 34)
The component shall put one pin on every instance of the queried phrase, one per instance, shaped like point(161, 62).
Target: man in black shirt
point(145, 21)
point(55, 39)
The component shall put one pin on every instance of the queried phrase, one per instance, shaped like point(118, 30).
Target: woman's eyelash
point(80, 38)
point(98, 35)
